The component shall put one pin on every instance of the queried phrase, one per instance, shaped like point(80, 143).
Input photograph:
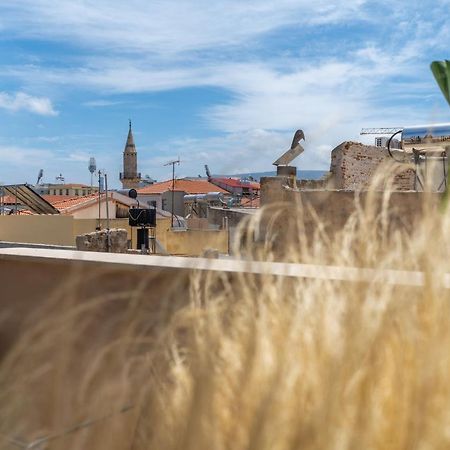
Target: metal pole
point(107, 214)
point(99, 227)
point(173, 189)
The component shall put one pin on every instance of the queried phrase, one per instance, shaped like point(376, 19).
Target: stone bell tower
point(130, 177)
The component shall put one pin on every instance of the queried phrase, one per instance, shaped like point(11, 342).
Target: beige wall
point(43, 229)
point(195, 242)
point(91, 211)
point(144, 200)
point(62, 230)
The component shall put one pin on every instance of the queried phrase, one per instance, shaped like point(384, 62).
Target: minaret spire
point(130, 177)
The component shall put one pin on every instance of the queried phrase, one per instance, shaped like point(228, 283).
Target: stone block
point(98, 241)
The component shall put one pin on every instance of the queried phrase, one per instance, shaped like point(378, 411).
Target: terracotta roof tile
point(57, 198)
point(68, 202)
point(237, 183)
point(250, 203)
point(188, 186)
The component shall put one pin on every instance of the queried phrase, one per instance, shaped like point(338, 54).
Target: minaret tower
point(130, 177)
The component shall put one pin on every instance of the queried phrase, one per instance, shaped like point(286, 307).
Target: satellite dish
point(295, 150)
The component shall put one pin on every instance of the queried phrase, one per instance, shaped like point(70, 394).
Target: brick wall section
point(354, 164)
point(405, 181)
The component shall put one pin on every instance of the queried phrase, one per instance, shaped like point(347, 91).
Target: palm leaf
point(441, 71)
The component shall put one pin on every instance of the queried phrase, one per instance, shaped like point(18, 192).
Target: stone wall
point(353, 165)
point(114, 241)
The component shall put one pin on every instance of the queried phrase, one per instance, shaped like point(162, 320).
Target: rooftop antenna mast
point(92, 168)
point(172, 163)
point(208, 172)
point(40, 175)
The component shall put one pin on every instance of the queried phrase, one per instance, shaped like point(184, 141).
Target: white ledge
point(335, 273)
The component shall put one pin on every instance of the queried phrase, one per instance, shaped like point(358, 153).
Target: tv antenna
point(173, 163)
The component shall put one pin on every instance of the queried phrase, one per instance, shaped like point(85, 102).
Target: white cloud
point(20, 157)
point(170, 26)
point(101, 103)
point(142, 46)
point(240, 152)
point(24, 102)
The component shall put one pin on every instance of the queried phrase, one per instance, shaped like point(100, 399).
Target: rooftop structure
point(65, 189)
point(161, 195)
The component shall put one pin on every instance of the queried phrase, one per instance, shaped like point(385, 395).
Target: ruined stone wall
point(114, 241)
point(353, 165)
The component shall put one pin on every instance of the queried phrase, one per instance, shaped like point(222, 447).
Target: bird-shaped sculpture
point(295, 150)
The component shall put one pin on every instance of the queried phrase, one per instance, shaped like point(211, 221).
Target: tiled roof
point(188, 186)
point(236, 183)
point(250, 203)
point(64, 202)
point(25, 212)
point(57, 198)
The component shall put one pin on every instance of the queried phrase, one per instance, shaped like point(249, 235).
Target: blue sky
point(224, 83)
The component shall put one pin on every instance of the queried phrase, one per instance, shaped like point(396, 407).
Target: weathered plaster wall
point(334, 207)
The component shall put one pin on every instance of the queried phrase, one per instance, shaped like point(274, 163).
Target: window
point(60, 192)
point(77, 192)
point(67, 191)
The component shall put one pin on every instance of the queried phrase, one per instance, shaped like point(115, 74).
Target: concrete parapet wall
point(43, 229)
point(195, 242)
point(333, 208)
point(35, 279)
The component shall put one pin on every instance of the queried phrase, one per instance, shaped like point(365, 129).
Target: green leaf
point(441, 71)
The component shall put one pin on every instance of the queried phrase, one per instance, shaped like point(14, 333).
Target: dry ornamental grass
point(248, 361)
